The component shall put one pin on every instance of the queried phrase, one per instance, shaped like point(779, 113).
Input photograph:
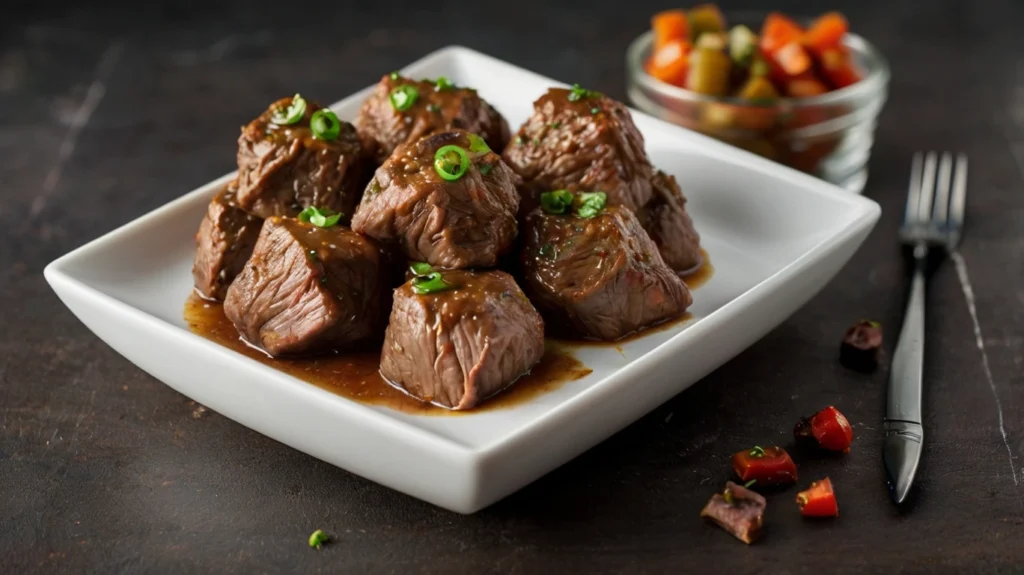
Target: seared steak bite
point(583, 141)
point(284, 168)
point(402, 111)
point(457, 346)
point(224, 243)
point(307, 289)
point(668, 224)
point(600, 275)
point(464, 219)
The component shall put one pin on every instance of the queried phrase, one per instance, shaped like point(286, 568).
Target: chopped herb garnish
point(451, 162)
point(750, 483)
point(555, 125)
point(485, 168)
point(536, 141)
point(548, 251)
point(393, 75)
point(325, 125)
point(757, 451)
point(403, 97)
point(421, 268)
point(313, 256)
point(443, 83)
point(292, 114)
point(595, 110)
point(520, 141)
point(556, 202)
point(374, 187)
point(478, 145)
point(318, 538)
point(321, 218)
point(430, 283)
point(579, 93)
point(591, 204)
point(433, 108)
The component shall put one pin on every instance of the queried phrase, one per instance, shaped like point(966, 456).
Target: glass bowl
point(829, 136)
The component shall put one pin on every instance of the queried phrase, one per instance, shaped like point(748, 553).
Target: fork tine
point(914, 191)
point(927, 188)
point(942, 200)
point(957, 204)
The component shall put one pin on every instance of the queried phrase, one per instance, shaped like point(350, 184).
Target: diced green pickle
point(742, 44)
point(705, 18)
point(709, 72)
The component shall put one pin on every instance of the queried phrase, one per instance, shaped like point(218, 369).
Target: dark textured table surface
point(108, 112)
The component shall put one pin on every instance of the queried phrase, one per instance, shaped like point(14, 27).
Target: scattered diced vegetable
point(705, 18)
point(738, 510)
point(819, 500)
point(828, 429)
point(709, 72)
point(862, 344)
point(837, 67)
point(778, 31)
point(742, 45)
point(768, 465)
point(713, 40)
point(792, 59)
point(670, 62)
point(668, 26)
point(759, 89)
point(826, 32)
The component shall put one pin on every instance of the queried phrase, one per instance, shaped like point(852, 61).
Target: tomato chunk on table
point(819, 500)
point(764, 466)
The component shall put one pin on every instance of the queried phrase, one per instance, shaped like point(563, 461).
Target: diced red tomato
point(765, 465)
point(793, 59)
point(832, 429)
point(805, 86)
point(838, 68)
point(778, 30)
point(819, 500)
point(670, 62)
point(669, 25)
point(826, 32)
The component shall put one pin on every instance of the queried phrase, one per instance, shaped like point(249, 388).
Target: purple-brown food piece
point(738, 510)
point(862, 346)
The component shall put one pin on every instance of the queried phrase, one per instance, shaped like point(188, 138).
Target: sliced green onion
point(420, 268)
point(485, 168)
point(430, 283)
point(319, 217)
point(451, 162)
point(478, 145)
point(318, 538)
point(325, 125)
point(578, 93)
point(443, 83)
point(292, 114)
point(433, 108)
point(403, 97)
point(591, 204)
point(556, 202)
point(393, 75)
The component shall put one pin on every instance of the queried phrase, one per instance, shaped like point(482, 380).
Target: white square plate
point(775, 237)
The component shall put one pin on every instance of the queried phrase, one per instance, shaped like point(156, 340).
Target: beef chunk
point(284, 169)
point(307, 289)
point(224, 243)
point(602, 275)
point(668, 224)
point(457, 347)
point(468, 222)
point(437, 106)
point(582, 141)
point(738, 510)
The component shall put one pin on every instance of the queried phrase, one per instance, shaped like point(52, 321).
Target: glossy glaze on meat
point(434, 109)
point(466, 223)
point(307, 289)
point(224, 243)
point(603, 275)
point(285, 169)
point(457, 347)
point(589, 144)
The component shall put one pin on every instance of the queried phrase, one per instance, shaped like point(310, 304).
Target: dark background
point(103, 468)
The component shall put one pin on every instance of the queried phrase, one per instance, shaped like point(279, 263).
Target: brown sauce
point(701, 275)
point(356, 376)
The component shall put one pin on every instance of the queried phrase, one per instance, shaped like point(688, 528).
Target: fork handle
point(904, 434)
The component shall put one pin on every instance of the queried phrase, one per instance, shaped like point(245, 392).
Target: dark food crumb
point(862, 346)
point(738, 510)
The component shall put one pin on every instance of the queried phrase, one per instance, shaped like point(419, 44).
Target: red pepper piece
point(832, 429)
point(765, 465)
point(838, 68)
point(826, 32)
point(819, 500)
